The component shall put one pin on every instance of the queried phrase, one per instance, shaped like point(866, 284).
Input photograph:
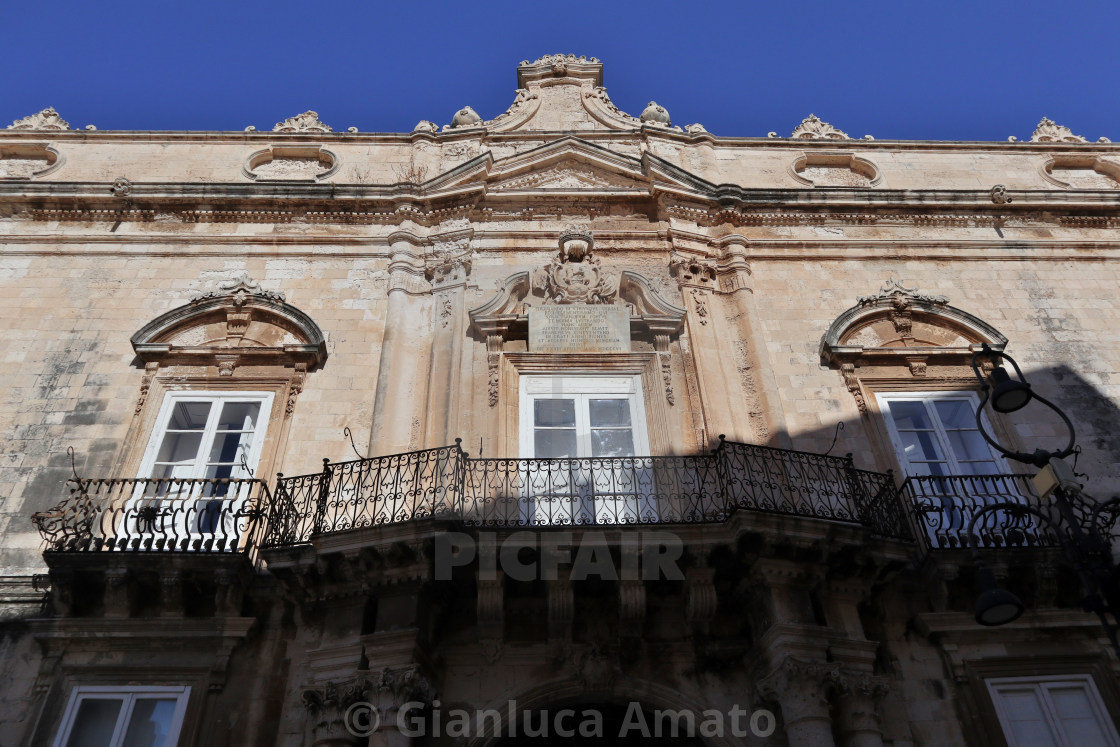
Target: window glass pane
point(982, 468)
point(1077, 717)
point(95, 722)
point(229, 446)
point(554, 413)
point(179, 447)
point(609, 412)
point(919, 445)
point(554, 443)
point(150, 722)
point(239, 416)
point(937, 469)
point(612, 443)
point(1025, 717)
point(909, 415)
point(968, 445)
point(956, 413)
point(189, 416)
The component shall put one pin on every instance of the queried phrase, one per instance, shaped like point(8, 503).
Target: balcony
point(156, 515)
point(445, 483)
point(944, 508)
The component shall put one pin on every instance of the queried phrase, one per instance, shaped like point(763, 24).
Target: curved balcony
point(446, 483)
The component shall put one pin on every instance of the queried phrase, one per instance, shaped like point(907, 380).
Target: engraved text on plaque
point(579, 328)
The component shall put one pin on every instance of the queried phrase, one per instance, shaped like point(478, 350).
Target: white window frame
point(183, 522)
point(567, 474)
point(128, 695)
point(1042, 685)
point(172, 398)
point(582, 388)
point(951, 461)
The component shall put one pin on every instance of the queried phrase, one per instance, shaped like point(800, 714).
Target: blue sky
point(979, 70)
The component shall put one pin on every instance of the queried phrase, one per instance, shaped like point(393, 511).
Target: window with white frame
point(935, 433)
point(123, 717)
point(199, 437)
point(569, 419)
point(207, 435)
point(1052, 712)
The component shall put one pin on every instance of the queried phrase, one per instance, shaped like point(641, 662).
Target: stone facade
point(750, 292)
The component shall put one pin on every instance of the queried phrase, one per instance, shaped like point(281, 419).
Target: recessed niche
point(832, 169)
point(1081, 171)
point(299, 163)
point(28, 160)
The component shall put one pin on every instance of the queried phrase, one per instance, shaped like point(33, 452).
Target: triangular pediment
point(568, 164)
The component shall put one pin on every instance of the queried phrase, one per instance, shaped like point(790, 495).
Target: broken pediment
point(575, 276)
point(559, 92)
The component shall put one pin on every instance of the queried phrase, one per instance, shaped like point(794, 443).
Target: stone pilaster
point(398, 371)
point(857, 711)
point(447, 268)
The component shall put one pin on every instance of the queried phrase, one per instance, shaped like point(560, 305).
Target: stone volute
point(655, 114)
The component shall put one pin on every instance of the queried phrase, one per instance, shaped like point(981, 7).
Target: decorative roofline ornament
point(48, 119)
point(655, 114)
point(899, 295)
point(812, 128)
point(465, 117)
point(306, 122)
point(1050, 132)
point(240, 287)
point(558, 59)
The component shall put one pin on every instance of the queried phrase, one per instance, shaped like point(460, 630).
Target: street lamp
point(1082, 542)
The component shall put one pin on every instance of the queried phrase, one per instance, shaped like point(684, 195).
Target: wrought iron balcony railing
point(446, 483)
point(944, 507)
point(156, 515)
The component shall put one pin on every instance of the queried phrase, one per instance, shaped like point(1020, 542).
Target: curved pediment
point(899, 321)
point(239, 323)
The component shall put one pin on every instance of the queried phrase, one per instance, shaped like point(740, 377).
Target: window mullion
point(119, 732)
point(216, 407)
point(942, 436)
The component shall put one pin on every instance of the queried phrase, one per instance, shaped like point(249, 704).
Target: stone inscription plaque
point(579, 328)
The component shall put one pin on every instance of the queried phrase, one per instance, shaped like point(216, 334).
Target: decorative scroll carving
point(812, 128)
point(493, 357)
point(999, 195)
point(575, 276)
point(306, 122)
point(239, 288)
point(848, 370)
point(1048, 131)
point(900, 296)
point(291, 163)
point(599, 93)
point(295, 388)
point(425, 126)
point(48, 119)
point(121, 187)
point(146, 383)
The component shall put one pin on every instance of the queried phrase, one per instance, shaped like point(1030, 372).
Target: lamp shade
point(1008, 394)
point(995, 606)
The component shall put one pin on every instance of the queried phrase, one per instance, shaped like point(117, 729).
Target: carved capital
point(694, 270)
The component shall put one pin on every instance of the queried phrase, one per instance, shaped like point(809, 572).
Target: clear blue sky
point(910, 69)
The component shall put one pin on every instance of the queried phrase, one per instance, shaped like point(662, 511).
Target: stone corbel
point(150, 369)
point(851, 380)
point(226, 364)
point(171, 585)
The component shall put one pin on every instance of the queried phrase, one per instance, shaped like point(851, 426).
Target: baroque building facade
point(565, 413)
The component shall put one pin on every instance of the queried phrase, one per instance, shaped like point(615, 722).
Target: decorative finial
point(465, 117)
point(812, 128)
point(1049, 132)
point(306, 122)
point(655, 114)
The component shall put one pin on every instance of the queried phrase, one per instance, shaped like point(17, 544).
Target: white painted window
point(592, 426)
point(123, 717)
point(935, 433)
point(1052, 712)
point(199, 436)
point(207, 435)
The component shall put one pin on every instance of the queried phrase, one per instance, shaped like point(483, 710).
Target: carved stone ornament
point(121, 187)
point(692, 269)
point(695, 129)
point(812, 128)
point(425, 126)
point(897, 294)
point(465, 117)
point(575, 276)
point(239, 288)
point(448, 263)
point(655, 114)
point(558, 59)
point(999, 195)
point(1050, 132)
point(48, 119)
point(22, 160)
point(306, 122)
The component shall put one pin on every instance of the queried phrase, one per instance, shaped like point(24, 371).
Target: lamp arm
point(1018, 456)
